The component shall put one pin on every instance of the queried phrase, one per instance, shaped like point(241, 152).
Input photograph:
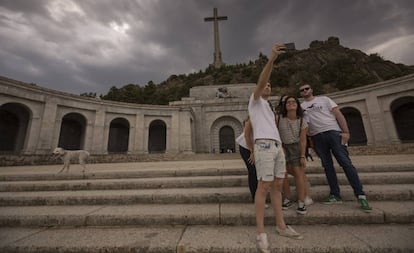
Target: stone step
point(183, 195)
point(188, 182)
point(218, 239)
point(234, 214)
point(235, 168)
point(196, 206)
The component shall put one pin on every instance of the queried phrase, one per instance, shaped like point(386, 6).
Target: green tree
point(89, 94)
point(149, 93)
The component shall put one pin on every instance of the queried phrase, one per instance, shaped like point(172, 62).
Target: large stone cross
point(217, 54)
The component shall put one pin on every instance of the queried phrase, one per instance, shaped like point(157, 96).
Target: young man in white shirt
point(269, 156)
point(329, 132)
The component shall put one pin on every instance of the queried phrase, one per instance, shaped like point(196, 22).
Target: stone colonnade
point(35, 120)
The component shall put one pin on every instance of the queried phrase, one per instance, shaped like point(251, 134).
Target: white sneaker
point(289, 232)
point(308, 201)
point(262, 243)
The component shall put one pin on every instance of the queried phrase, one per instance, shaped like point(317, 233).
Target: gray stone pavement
point(208, 239)
point(229, 227)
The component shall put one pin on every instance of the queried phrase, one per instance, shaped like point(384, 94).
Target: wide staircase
point(196, 206)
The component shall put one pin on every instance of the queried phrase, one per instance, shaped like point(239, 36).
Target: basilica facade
point(35, 120)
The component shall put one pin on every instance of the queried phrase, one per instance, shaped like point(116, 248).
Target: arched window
point(356, 126)
point(14, 121)
point(402, 111)
point(72, 131)
point(118, 136)
point(157, 139)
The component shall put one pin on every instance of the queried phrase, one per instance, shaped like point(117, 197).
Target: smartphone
point(290, 46)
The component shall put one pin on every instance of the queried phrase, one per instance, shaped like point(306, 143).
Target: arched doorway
point(222, 134)
point(356, 126)
point(227, 140)
point(14, 121)
point(157, 139)
point(402, 111)
point(72, 131)
point(118, 136)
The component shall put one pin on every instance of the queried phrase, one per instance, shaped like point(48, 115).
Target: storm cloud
point(81, 46)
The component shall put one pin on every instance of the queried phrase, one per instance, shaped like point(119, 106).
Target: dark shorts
point(292, 154)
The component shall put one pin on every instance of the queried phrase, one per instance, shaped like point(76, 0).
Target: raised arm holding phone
point(268, 155)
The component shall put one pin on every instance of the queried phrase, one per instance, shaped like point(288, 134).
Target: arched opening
point(227, 140)
point(356, 126)
point(118, 136)
point(72, 131)
point(157, 139)
point(222, 134)
point(14, 121)
point(402, 111)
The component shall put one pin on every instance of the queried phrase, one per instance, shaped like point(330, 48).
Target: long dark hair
point(282, 102)
point(299, 111)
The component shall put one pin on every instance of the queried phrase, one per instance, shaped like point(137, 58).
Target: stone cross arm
point(215, 18)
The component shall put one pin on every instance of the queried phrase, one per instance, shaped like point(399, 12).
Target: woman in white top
point(293, 129)
point(245, 141)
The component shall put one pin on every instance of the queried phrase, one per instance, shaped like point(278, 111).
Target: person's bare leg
point(286, 188)
point(307, 185)
point(300, 183)
point(259, 204)
point(276, 198)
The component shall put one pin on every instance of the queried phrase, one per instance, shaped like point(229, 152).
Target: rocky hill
point(327, 65)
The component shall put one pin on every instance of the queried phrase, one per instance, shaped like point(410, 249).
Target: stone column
point(376, 117)
point(48, 128)
point(186, 135)
point(140, 133)
point(98, 145)
point(89, 134)
point(33, 131)
point(131, 137)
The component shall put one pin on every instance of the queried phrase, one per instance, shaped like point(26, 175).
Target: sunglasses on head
point(303, 89)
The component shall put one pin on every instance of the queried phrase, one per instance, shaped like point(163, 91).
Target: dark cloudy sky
point(81, 46)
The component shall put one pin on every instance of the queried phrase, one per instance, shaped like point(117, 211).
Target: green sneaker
point(364, 205)
point(332, 199)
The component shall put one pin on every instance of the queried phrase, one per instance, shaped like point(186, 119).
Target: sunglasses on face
point(303, 89)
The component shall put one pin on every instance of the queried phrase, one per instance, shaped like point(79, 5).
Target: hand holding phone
point(289, 46)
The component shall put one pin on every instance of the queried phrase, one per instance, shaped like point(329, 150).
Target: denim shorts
point(269, 159)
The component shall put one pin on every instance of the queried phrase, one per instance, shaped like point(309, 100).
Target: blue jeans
point(324, 144)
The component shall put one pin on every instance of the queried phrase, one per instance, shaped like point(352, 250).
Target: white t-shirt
point(262, 119)
point(241, 140)
point(318, 114)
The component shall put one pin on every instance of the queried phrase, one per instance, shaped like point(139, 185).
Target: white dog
point(68, 155)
